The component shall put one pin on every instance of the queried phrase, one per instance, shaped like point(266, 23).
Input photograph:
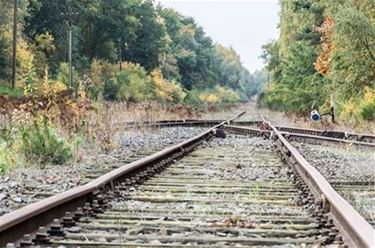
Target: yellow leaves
point(228, 53)
point(209, 98)
point(218, 95)
point(350, 110)
point(369, 95)
point(7, 157)
point(72, 106)
point(59, 86)
point(323, 61)
point(25, 59)
point(96, 72)
point(188, 31)
point(357, 109)
point(164, 89)
point(45, 42)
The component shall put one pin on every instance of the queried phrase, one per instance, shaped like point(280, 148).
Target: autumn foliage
point(323, 61)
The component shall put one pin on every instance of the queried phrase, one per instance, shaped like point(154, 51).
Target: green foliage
point(34, 140)
point(226, 94)
point(255, 83)
point(4, 58)
point(62, 74)
point(166, 91)
point(7, 156)
point(99, 74)
point(132, 83)
point(334, 37)
point(353, 65)
point(41, 142)
point(192, 98)
point(5, 39)
point(44, 48)
point(144, 37)
point(368, 111)
point(211, 97)
point(5, 90)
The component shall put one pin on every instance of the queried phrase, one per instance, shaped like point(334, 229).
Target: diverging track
point(208, 191)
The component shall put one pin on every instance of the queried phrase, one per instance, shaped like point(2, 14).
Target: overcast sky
point(243, 24)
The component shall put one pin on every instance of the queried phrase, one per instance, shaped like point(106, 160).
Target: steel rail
point(356, 231)
point(183, 122)
point(27, 219)
point(289, 135)
point(247, 130)
point(331, 134)
point(365, 138)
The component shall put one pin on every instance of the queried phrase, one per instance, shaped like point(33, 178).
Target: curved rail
point(289, 135)
point(28, 218)
point(331, 134)
point(354, 138)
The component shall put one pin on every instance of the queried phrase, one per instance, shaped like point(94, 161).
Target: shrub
point(166, 91)
point(368, 112)
point(62, 74)
point(42, 142)
point(5, 90)
point(100, 73)
point(7, 157)
point(357, 109)
point(192, 98)
point(130, 84)
point(226, 95)
point(209, 98)
point(367, 106)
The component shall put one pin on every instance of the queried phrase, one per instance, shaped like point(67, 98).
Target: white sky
point(243, 24)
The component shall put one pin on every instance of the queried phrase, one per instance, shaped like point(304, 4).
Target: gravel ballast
point(350, 170)
point(23, 186)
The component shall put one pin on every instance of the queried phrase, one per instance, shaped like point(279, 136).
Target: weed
point(42, 142)
point(254, 192)
point(7, 157)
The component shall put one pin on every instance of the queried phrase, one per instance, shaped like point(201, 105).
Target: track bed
point(233, 192)
point(350, 170)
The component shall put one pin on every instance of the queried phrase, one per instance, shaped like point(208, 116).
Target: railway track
point(236, 191)
point(294, 132)
point(220, 205)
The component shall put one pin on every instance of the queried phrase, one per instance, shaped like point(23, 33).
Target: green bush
point(192, 98)
point(100, 74)
point(41, 142)
point(226, 95)
point(368, 111)
point(5, 90)
point(130, 84)
point(62, 74)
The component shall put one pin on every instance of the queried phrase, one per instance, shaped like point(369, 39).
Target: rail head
point(356, 231)
point(327, 139)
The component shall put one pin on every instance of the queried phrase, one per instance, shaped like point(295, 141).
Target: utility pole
point(70, 24)
point(69, 18)
point(120, 54)
point(14, 59)
point(70, 58)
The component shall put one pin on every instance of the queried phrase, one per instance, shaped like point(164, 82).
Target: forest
point(121, 51)
point(137, 52)
point(326, 48)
